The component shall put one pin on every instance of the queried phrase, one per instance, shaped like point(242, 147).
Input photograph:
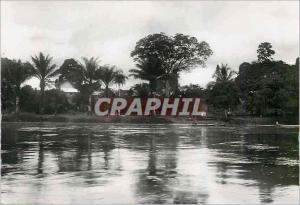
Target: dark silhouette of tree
point(44, 70)
point(268, 87)
point(13, 74)
point(223, 73)
point(265, 52)
point(175, 53)
point(222, 93)
point(148, 69)
point(291, 105)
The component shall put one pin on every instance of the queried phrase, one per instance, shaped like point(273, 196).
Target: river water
point(61, 163)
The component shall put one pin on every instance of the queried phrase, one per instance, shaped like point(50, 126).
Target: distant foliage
point(192, 90)
point(265, 87)
point(56, 101)
point(140, 90)
point(269, 87)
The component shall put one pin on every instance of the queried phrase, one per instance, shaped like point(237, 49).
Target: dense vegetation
point(263, 87)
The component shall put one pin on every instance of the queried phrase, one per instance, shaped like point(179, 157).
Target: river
point(62, 163)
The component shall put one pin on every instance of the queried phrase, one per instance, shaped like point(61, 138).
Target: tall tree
point(175, 53)
point(107, 75)
point(222, 93)
point(44, 70)
point(265, 52)
point(120, 79)
point(13, 74)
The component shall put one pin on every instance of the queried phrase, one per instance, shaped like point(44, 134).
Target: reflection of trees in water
point(154, 183)
point(88, 153)
point(40, 155)
point(80, 152)
point(70, 150)
point(14, 147)
point(192, 187)
point(10, 154)
point(160, 182)
point(257, 157)
point(152, 157)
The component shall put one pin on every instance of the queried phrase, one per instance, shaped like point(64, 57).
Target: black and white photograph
point(149, 102)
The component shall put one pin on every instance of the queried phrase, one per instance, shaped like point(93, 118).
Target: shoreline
point(205, 121)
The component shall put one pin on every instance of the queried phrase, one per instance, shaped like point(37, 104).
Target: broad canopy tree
point(175, 53)
point(266, 86)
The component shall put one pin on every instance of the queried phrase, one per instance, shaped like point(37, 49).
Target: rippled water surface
point(126, 163)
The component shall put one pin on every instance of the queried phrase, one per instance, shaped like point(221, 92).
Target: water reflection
point(84, 163)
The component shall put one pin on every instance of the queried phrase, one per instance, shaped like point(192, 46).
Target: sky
point(109, 30)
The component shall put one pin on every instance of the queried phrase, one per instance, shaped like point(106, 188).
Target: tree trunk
point(17, 105)
point(152, 84)
point(226, 114)
point(90, 105)
point(17, 90)
point(42, 85)
point(167, 88)
point(106, 91)
point(40, 167)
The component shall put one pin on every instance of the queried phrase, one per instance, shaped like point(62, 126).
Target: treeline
point(262, 87)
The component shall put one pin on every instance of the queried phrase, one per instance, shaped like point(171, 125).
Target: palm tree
point(120, 79)
point(222, 91)
point(107, 75)
point(89, 70)
point(149, 69)
point(15, 73)
point(89, 73)
point(44, 70)
point(223, 73)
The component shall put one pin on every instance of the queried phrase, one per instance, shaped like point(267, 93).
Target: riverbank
point(84, 118)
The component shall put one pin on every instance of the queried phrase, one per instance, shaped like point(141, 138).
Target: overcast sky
point(109, 30)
